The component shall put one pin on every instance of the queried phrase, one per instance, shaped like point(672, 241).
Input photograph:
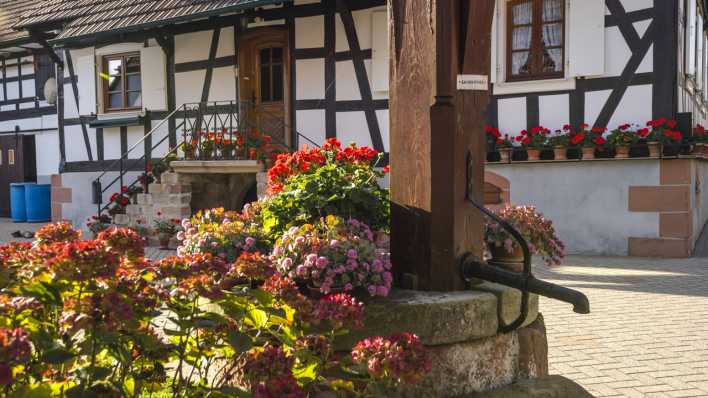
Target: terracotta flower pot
point(501, 258)
point(588, 152)
point(504, 155)
point(622, 151)
point(559, 153)
point(533, 154)
point(164, 241)
point(654, 149)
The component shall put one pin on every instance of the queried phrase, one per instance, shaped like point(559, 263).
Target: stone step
point(170, 178)
point(144, 198)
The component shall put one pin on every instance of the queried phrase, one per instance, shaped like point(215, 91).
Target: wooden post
point(433, 126)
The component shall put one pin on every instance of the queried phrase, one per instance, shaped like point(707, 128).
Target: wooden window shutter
point(379, 51)
point(699, 52)
point(85, 70)
point(44, 70)
point(154, 78)
point(690, 40)
point(586, 41)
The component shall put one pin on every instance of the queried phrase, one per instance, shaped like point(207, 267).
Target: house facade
point(314, 69)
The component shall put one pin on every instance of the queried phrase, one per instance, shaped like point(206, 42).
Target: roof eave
point(165, 22)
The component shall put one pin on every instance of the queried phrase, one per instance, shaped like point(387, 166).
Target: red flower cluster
point(57, 232)
point(492, 131)
point(576, 139)
point(120, 198)
point(401, 356)
point(82, 260)
point(252, 266)
point(269, 362)
point(283, 386)
point(15, 348)
point(201, 273)
point(307, 160)
point(340, 310)
point(286, 290)
point(699, 129)
point(662, 122)
point(123, 241)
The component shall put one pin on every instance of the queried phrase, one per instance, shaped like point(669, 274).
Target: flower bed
point(96, 318)
point(658, 138)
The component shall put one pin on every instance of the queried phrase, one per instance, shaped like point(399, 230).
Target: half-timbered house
point(312, 69)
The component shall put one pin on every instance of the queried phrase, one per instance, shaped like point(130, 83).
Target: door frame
point(265, 33)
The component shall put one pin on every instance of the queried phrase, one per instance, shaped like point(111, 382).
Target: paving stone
point(647, 330)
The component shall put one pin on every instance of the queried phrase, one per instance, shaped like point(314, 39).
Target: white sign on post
point(473, 82)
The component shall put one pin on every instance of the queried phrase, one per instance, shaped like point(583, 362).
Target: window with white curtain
point(536, 39)
point(699, 52)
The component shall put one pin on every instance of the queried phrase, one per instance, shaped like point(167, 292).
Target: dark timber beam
point(432, 224)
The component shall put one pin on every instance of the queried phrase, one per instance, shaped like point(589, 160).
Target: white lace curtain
point(522, 14)
point(522, 36)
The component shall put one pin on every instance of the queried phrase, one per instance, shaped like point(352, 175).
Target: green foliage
point(347, 191)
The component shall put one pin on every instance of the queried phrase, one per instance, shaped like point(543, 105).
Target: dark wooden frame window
point(272, 74)
point(122, 85)
point(535, 47)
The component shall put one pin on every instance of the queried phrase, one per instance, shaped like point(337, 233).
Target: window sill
point(118, 119)
point(533, 86)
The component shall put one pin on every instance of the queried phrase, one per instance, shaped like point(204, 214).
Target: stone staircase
point(167, 200)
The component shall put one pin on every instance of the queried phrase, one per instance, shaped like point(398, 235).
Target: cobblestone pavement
point(647, 334)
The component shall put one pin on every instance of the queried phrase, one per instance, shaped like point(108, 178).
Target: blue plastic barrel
point(18, 209)
point(38, 198)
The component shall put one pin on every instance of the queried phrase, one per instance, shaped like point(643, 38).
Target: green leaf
point(240, 341)
point(306, 373)
point(57, 355)
point(258, 318)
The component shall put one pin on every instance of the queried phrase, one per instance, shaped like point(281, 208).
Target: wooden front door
point(17, 164)
point(264, 79)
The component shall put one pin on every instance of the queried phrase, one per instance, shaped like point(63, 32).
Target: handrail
point(142, 140)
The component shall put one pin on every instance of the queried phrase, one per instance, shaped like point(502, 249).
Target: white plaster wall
point(46, 144)
point(553, 110)
point(81, 207)
point(311, 124)
point(512, 115)
point(700, 197)
point(587, 201)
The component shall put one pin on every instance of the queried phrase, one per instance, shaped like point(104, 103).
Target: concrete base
point(461, 331)
point(545, 387)
point(216, 166)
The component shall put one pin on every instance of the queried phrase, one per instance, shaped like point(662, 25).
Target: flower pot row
point(653, 150)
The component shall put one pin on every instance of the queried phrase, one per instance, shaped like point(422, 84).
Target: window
point(11, 157)
point(121, 82)
point(535, 39)
point(271, 73)
point(44, 70)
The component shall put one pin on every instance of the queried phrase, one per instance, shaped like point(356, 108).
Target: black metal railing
point(215, 130)
point(524, 281)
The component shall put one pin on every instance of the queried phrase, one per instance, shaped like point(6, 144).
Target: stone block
point(544, 387)
point(262, 177)
point(469, 368)
point(510, 302)
point(437, 318)
point(156, 188)
point(170, 178)
point(533, 350)
point(144, 198)
point(160, 198)
point(134, 210)
point(180, 199)
point(121, 219)
point(178, 188)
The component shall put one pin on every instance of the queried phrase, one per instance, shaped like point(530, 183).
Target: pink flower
point(250, 241)
point(322, 262)
point(382, 291)
point(372, 290)
point(351, 253)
